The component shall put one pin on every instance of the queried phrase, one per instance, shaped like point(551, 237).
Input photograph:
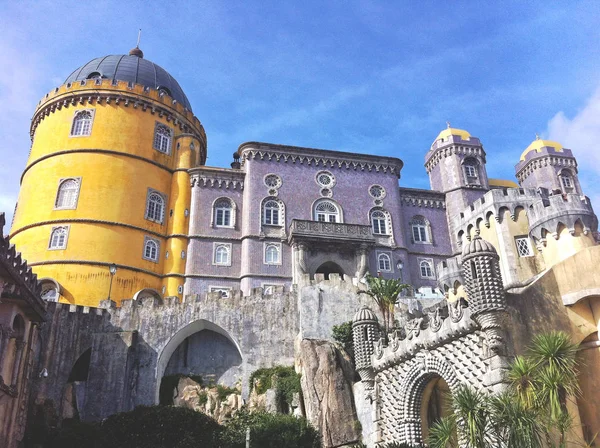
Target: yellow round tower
point(105, 196)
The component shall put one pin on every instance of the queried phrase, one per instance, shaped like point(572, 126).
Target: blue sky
point(359, 76)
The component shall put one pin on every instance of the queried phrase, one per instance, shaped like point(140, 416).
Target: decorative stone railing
point(319, 230)
point(438, 325)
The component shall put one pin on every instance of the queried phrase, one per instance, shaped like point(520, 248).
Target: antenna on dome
point(139, 37)
point(136, 51)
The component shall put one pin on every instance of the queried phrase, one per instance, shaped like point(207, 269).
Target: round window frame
point(332, 182)
point(383, 192)
point(277, 177)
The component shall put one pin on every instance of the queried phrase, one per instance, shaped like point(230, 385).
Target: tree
point(385, 293)
point(532, 412)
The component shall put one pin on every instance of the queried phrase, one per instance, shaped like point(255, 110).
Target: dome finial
point(537, 136)
point(136, 51)
point(448, 124)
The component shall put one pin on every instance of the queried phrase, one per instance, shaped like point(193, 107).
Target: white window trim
point(60, 182)
point(232, 217)
point(529, 246)
point(267, 285)
point(430, 261)
point(330, 174)
point(222, 289)
point(388, 222)
point(214, 257)
point(144, 257)
point(164, 198)
point(64, 246)
point(428, 233)
point(278, 246)
point(279, 181)
point(77, 112)
point(389, 254)
point(281, 214)
point(340, 212)
point(170, 148)
point(383, 192)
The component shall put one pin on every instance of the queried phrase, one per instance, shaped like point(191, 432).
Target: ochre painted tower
point(106, 184)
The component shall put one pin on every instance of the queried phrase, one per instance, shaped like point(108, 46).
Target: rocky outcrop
point(327, 378)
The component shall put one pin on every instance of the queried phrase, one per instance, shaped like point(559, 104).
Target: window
point(470, 170)
point(271, 214)
point(566, 181)
point(82, 123)
point(384, 263)
point(378, 221)
point(151, 249)
point(426, 268)
point(223, 213)
point(222, 254)
point(162, 138)
point(420, 229)
point(377, 191)
point(327, 211)
point(223, 290)
point(524, 246)
point(49, 293)
point(58, 238)
point(269, 289)
point(67, 195)
point(155, 206)
point(325, 179)
point(272, 181)
point(272, 253)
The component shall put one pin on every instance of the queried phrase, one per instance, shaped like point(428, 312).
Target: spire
point(136, 51)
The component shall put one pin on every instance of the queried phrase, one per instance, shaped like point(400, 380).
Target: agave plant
point(442, 434)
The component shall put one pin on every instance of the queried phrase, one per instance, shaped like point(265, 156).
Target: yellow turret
point(106, 182)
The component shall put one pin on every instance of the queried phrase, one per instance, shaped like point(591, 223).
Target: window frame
point(62, 181)
point(423, 225)
point(429, 262)
point(266, 209)
point(215, 209)
point(158, 125)
point(163, 197)
point(276, 246)
point(54, 229)
point(527, 240)
point(338, 214)
point(264, 286)
point(228, 247)
point(224, 290)
point(78, 112)
point(388, 255)
point(386, 224)
point(148, 240)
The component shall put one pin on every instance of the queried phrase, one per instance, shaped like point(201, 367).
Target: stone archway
point(329, 267)
point(209, 349)
point(425, 369)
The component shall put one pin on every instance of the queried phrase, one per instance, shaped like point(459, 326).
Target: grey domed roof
point(477, 246)
point(364, 314)
point(131, 68)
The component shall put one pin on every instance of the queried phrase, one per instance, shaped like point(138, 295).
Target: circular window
point(326, 192)
point(325, 179)
point(377, 191)
point(272, 181)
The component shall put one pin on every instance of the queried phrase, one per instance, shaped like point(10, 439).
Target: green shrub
point(288, 383)
point(223, 391)
point(169, 383)
point(270, 431)
point(202, 398)
point(342, 334)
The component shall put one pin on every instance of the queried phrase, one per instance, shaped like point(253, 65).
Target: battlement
point(436, 326)
point(547, 215)
point(454, 145)
point(543, 152)
point(90, 90)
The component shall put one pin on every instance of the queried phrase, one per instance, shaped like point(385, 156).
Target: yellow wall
point(566, 245)
point(117, 165)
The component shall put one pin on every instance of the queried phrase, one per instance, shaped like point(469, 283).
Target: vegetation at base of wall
point(342, 334)
point(531, 413)
point(175, 427)
point(170, 382)
point(202, 398)
point(288, 383)
point(270, 431)
point(223, 392)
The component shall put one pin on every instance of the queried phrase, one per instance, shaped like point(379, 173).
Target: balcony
point(319, 231)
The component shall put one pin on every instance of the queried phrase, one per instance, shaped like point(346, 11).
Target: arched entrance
point(74, 394)
point(328, 268)
point(435, 404)
point(201, 348)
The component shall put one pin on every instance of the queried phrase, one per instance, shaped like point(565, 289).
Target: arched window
point(162, 138)
point(426, 268)
point(379, 222)
point(272, 253)
point(471, 170)
point(223, 213)
point(566, 179)
point(222, 254)
point(272, 213)
point(155, 206)
point(82, 123)
point(384, 263)
point(420, 229)
point(58, 237)
point(67, 195)
point(49, 292)
point(151, 249)
point(327, 211)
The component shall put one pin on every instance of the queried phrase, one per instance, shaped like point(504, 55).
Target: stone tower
point(456, 166)
point(365, 332)
point(106, 193)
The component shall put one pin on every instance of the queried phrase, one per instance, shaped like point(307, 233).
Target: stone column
point(300, 266)
point(19, 345)
point(363, 262)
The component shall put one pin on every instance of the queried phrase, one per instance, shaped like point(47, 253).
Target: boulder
point(327, 378)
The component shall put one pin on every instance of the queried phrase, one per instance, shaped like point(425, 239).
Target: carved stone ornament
point(378, 348)
point(455, 310)
point(413, 327)
point(435, 320)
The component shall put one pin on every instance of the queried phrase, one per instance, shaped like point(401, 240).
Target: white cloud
point(582, 134)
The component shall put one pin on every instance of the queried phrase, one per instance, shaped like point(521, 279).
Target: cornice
point(318, 158)
point(208, 177)
point(422, 198)
point(433, 158)
point(548, 160)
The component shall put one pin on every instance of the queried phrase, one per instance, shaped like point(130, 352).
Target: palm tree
point(385, 293)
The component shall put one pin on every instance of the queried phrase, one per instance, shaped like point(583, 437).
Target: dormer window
point(470, 171)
